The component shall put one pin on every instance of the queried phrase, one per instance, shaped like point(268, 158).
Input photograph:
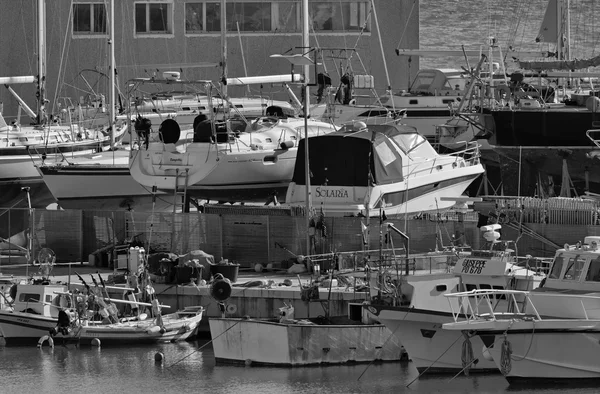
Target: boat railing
point(594, 136)
point(469, 153)
point(467, 157)
point(481, 304)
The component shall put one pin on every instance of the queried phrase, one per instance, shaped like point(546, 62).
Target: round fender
point(231, 309)
point(169, 131)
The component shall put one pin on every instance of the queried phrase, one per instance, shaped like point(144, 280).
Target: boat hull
point(241, 341)
point(25, 328)
point(430, 348)
point(101, 188)
point(553, 355)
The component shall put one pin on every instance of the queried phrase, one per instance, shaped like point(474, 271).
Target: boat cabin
point(45, 300)
point(576, 267)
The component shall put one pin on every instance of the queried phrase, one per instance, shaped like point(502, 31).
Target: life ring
point(231, 309)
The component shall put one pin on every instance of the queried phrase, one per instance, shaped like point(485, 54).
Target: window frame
point(90, 34)
point(170, 22)
point(275, 7)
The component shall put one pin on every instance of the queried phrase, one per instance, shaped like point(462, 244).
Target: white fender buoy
point(491, 227)
point(96, 342)
point(248, 362)
point(153, 330)
point(44, 339)
point(258, 267)
point(486, 353)
point(159, 357)
point(491, 236)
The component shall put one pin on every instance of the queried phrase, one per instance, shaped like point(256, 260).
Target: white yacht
point(362, 168)
point(550, 334)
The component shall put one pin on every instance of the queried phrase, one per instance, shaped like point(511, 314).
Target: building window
point(153, 18)
point(339, 16)
point(89, 19)
point(194, 17)
point(276, 16)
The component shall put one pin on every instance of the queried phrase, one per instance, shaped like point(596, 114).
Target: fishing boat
point(550, 334)
point(38, 311)
point(362, 168)
point(285, 341)
point(414, 308)
point(74, 130)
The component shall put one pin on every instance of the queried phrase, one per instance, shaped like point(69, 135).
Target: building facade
point(154, 36)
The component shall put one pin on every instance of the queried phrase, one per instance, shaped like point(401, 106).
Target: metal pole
point(41, 85)
point(111, 68)
point(306, 45)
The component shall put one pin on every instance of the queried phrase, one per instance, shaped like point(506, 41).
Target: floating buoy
point(44, 339)
point(96, 342)
point(159, 357)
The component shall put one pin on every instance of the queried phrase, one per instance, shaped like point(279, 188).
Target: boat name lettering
point(176, 160)
point(473, 266)
point(332, 193)
point(22, 320)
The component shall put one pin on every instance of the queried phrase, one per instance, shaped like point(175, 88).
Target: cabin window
point(557, 267)
point(574, 268)
point(89, 19)
point(593, 274)
point(470, 287)
point(29, 297)
point(153, 18)
point(499, 296)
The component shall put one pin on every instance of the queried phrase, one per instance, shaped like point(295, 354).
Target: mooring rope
point(203, 346)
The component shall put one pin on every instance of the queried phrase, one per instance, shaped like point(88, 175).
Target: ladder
point(180, 200)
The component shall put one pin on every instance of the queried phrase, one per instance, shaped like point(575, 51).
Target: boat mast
point(224, 57)
point(111, 68)
point(306, 70)
point(41, 80)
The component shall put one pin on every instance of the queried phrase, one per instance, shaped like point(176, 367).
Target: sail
point(549, 28)
point(577, 64)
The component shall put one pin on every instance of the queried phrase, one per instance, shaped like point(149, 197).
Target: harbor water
point(189, 367)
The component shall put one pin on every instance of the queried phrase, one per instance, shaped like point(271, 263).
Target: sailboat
point(533, 136)
point(228, 160)
point(49, 138)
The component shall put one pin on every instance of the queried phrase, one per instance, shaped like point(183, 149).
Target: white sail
point(549, 28)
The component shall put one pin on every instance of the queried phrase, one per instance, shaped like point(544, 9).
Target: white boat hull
point(271, 343)
point(106, 184)
point(27, 328)
point(17, 327)
point(549, 356)
point(431, 348)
